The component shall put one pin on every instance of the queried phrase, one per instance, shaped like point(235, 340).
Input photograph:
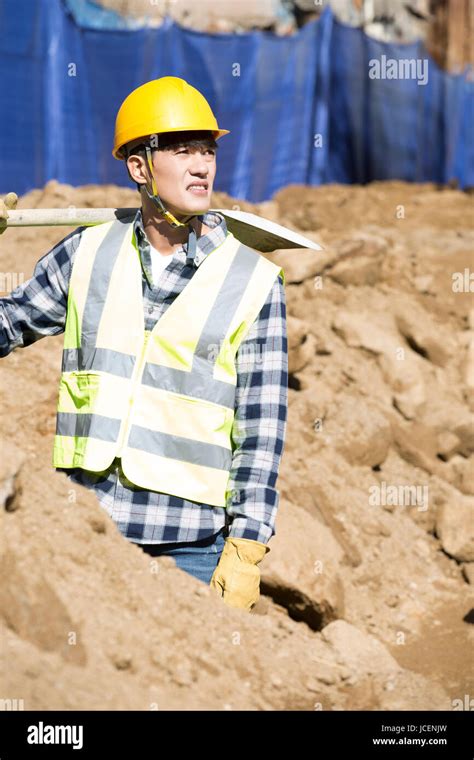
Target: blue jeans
point(198, 558)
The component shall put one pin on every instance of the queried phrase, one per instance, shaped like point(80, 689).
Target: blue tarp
point(301, 109)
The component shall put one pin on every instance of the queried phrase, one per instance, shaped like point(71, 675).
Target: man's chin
point(198, 208)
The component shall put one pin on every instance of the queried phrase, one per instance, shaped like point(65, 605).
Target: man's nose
point(198, 165)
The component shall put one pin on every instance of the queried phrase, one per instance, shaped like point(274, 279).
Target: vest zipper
point(136, 374)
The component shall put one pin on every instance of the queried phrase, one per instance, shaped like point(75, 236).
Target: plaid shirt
point(38, 308)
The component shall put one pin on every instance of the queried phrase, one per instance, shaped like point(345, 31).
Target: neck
point(162, 235)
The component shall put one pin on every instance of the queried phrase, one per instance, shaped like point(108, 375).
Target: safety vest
point(162, 400)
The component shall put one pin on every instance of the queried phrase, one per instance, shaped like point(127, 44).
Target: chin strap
point(155, 198)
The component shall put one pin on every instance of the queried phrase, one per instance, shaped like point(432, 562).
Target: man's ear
point(136, 169)
point(138, 185)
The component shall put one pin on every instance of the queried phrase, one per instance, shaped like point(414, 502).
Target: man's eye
point(185, 150)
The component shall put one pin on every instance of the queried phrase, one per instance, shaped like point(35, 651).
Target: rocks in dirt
point(402, 343)
point(417, 444)
point(378, 681)
point(31, 606)
point(465, 432)
point(326, 506)
point(360, 271)
point(298, 264)
point(358, 329)
point(268, 210)
point(455, 528)
point(403, 373)
point(359, 430)
point(468, 572)
point(305, 413)
point(11, 461)
point(297, 332)
point(358, 650)
point(429, 338)
point(301, 345)
point(423, 283)
point(444, 413)
point(325, 341)
point(302, 355)
point(303, 576)
point(448, 445)
point(299, 209)
point(359, 260)
point(461, 474)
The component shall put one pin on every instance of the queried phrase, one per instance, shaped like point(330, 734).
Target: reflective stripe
point(89, 356)
point(183, 449)
point(104, 359)
point(99, 283)
point(196, 384)
point(87, 425)
point(224, 307)
point(215, 328)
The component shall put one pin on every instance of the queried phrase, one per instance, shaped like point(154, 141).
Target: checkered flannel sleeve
point(37, 307)
point(260, 422)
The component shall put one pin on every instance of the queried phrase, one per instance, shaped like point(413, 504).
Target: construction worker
point(172, 401)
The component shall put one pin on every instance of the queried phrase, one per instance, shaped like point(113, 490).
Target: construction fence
point(328, 104)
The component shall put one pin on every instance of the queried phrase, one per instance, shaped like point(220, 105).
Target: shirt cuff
point(252, 512)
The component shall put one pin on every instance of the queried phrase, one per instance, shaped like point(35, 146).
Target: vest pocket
point(203, 415)
point(78, 391)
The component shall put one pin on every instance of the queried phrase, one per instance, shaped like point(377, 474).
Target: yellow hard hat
point(168, 104)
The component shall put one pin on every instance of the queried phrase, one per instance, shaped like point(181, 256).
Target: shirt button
point(150, 309)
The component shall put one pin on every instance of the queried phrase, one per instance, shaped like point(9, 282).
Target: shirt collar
point(205, 244)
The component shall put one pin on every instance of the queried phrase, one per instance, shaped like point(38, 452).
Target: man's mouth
point(198, 188)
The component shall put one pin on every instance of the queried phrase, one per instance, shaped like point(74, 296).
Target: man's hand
point(237, 578)
point(5, 206)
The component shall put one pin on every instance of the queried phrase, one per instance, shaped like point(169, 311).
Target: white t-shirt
point(158, 263)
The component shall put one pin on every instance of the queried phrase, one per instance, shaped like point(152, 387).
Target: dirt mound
point(366, 590)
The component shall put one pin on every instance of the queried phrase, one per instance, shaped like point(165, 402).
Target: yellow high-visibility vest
point(162, 400)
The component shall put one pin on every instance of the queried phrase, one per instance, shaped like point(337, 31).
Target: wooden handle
point(251, 229)
point(65, 217)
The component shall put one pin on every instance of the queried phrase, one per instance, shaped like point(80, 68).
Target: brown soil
point(365, 601)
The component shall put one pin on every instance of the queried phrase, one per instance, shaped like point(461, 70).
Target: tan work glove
point(237, 578)
point(5, 206)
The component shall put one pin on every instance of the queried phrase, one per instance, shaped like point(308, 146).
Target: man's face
point(184, 177)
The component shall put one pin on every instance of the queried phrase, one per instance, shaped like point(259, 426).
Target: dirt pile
point(366, 591)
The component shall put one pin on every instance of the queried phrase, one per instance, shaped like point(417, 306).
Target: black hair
point(171, 141)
